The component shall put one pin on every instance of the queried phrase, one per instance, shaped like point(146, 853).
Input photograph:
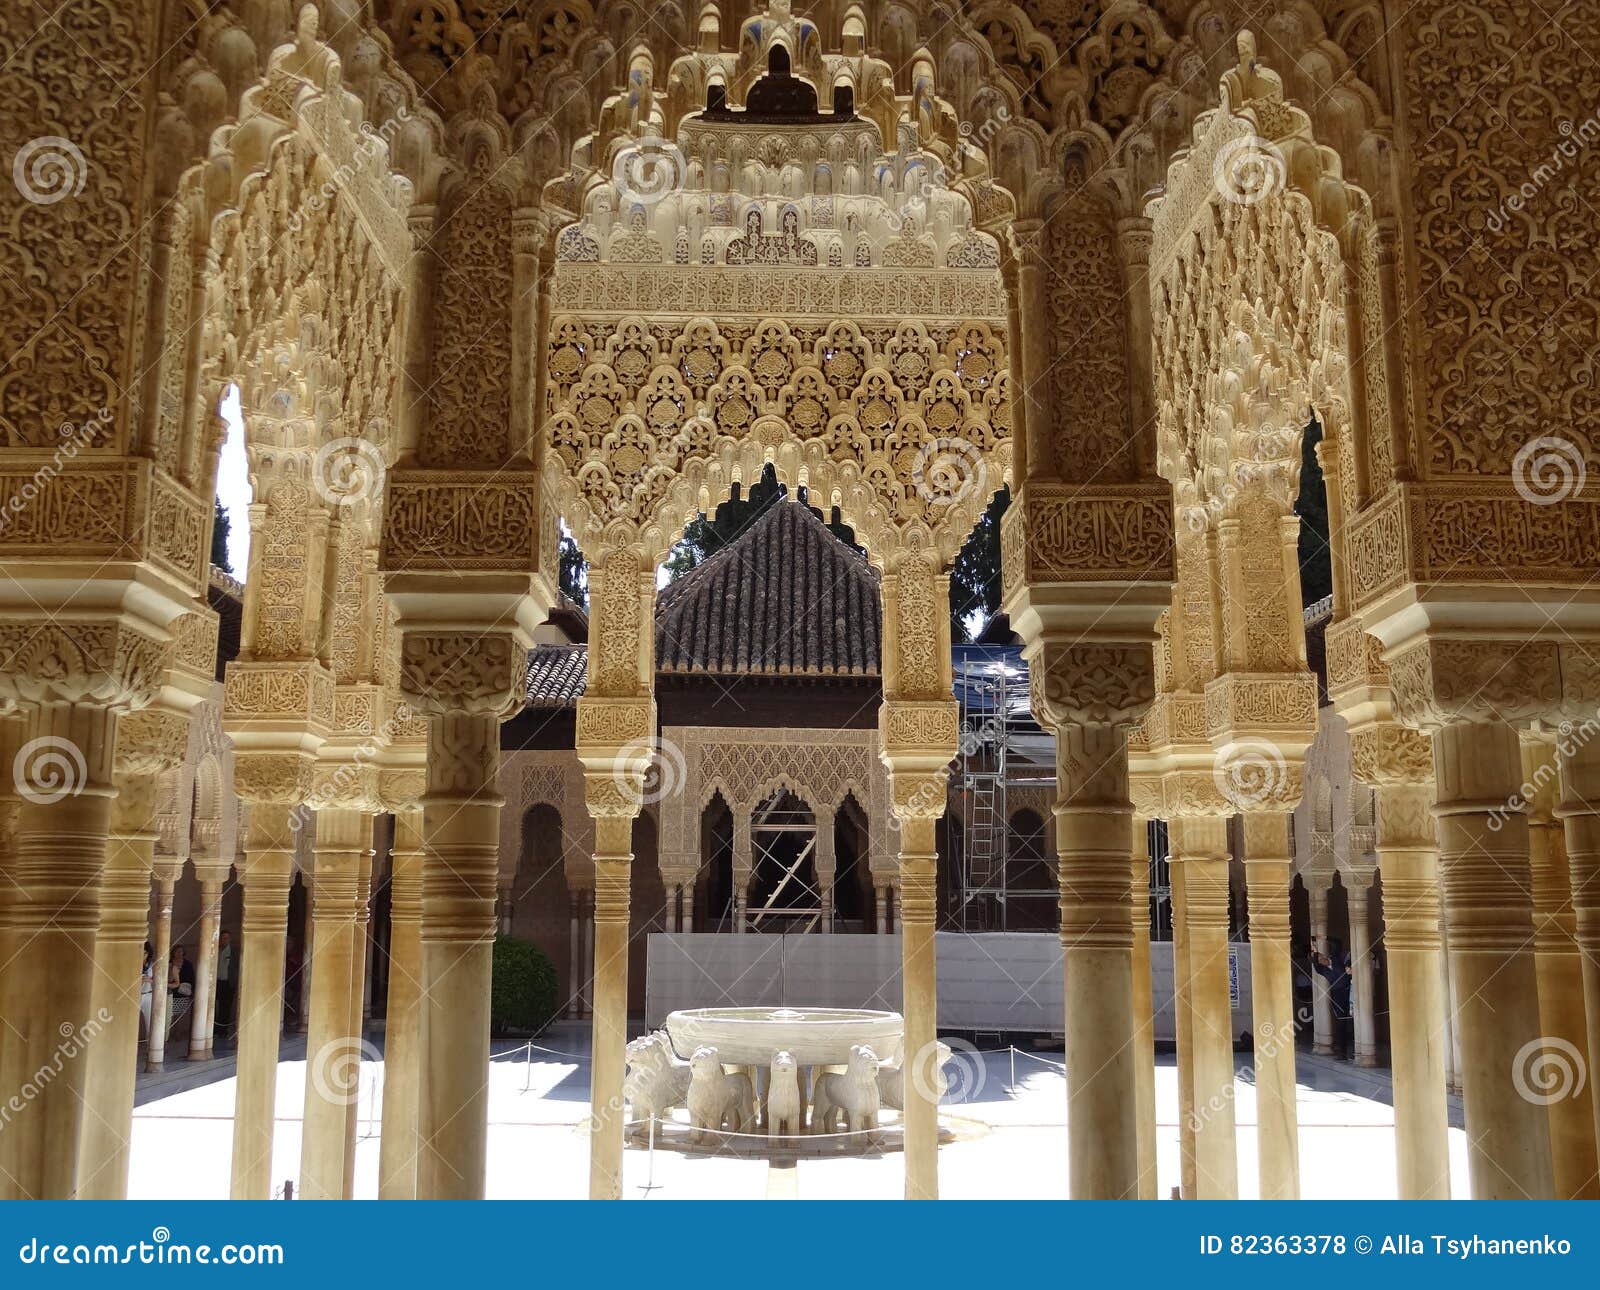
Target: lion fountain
point(744, 1071)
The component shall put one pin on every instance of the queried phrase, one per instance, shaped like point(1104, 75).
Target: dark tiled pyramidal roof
point(785, 598)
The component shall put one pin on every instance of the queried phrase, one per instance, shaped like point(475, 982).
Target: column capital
point(1078, 683)
point(463, 672)
point(57, 660)
point(1440, 682)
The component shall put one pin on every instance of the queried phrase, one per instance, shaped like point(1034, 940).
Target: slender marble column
point(203, 1009)
point(1200, 844)
point(58, 865)
point(1408, 858)
point(1487, 886)
point(1561, 993)
point(1266, 869)
point(919, 1006)
point(356, 1025)
point(166, 881)
point(332, 1066)
point(1318, 888)
point(1144, 1024)
point(1183, 1020)
point(461, 834)
point(113, 1054)
point(268, 874)
point(1093, 815)
point(1579, 812)
point(1358, 889)
point(613, 867)
point(402, 1048)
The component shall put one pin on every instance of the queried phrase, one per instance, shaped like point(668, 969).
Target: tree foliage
point(1316, 562)
point(975, 576)
point(574, 574)
point(220, 528)
point(523, 987)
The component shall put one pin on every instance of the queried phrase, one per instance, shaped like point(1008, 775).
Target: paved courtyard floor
point(1008, 1139)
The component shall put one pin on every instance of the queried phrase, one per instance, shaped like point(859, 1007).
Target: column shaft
point(59, 861)
point(1266, 871)
point(161, 952)
point(1144, 1025)
point(919, 1006)
point(331, 1064)
point(461, 834)
point(1201, 846)
point(113, 1056)
point(1183, 1024)
point(1559, 966)
point(1418, 1038)
point(202, 1010)
point(263, 933)
point(1579, 812)
point(1361, 988)
point(1093, 821)
point(613, 864)
point(1487, 885)
point(402, 1049)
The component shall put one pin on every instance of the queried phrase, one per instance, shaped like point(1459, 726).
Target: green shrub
point(523, 995)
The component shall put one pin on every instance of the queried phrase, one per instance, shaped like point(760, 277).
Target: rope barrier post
point(1012, 1049)
point(527, 1082)
point(650, 1183)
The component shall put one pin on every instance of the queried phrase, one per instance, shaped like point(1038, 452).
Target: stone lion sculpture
point(784, 1119)
point(657, 1078)
point(892, 1081)
point(850, 1098)
point(717, 1100)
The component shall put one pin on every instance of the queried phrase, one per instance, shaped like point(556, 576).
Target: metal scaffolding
point(1002, 748)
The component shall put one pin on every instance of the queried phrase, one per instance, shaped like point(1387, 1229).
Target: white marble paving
point(1018, 1149)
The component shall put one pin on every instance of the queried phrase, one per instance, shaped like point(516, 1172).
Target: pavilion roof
point(784, 598)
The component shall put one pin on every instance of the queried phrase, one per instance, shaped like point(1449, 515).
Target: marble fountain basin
point(815, 1036)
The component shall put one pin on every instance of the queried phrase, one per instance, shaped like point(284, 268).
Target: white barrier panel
point(1002, 981)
